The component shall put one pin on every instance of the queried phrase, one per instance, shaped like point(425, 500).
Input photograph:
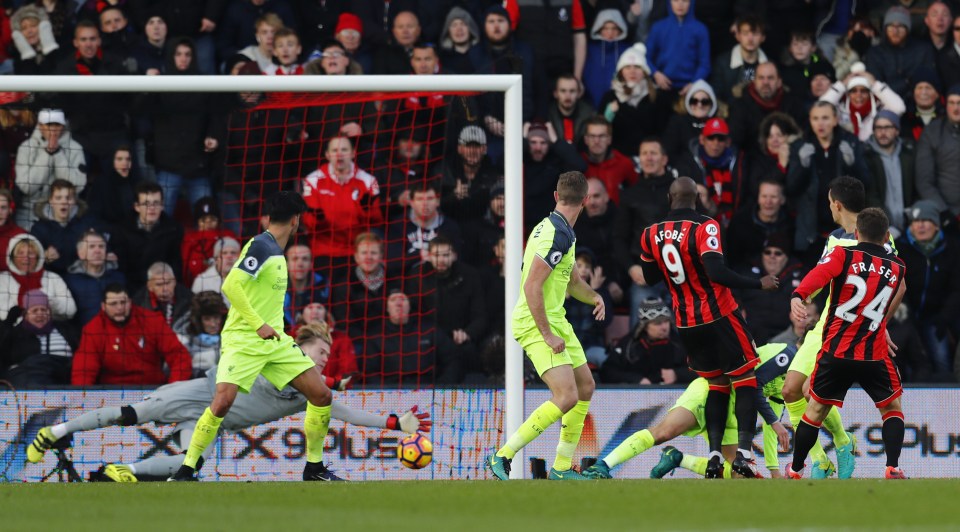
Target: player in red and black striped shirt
point(867, 286)
point(685, 248)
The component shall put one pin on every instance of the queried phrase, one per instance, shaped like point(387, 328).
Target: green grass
point(485, 505)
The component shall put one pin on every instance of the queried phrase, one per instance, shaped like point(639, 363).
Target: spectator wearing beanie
point(926, 104)
point(36, 50)
point(632, 105)
point(38, 350)
point(349, 33)
point(899, 55)
point(648, 355)
point(891, 160)
point(149, 51)
point(460, 34)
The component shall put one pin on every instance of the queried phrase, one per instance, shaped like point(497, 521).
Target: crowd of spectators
point(120, 214)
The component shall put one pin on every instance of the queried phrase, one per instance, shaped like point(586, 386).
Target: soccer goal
point(278, 153)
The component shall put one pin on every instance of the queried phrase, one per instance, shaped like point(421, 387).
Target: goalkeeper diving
point(183, 402)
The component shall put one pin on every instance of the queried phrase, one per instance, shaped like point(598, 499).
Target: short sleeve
point(708, 238)
point(551, 245)
point(253, 260)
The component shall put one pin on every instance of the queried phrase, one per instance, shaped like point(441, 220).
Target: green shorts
point(542, 356)
point(694, 399)
point(279, 361)
point(806, 356)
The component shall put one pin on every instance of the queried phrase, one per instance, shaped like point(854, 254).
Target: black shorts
point(832, 377)
point(721, 347)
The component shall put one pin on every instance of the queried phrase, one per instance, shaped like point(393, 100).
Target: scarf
point(928, 247)
point(767, 105)
point(630, 93)
point(39, 331)
point(27, 282)
point(82, 67)
point(719, 181)
point(373, 282)
point(858, 113)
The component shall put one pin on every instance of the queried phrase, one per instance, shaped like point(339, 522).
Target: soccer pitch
point(486, 505)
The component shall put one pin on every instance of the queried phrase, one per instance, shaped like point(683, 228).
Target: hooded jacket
point(62, 304)
point(450, 59)
point(602, 56)
point(679, 48)
point(682, 128)
point(29, 60)
point(37, 168)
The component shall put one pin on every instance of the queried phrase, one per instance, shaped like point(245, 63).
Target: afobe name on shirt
point(673, 235)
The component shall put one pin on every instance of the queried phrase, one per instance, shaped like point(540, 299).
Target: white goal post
point(510, 85)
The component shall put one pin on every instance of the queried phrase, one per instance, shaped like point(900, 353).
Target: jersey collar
point(562, 217)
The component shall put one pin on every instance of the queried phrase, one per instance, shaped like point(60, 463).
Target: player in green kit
point(253, 341)
point(541, 328)
point(847, 198)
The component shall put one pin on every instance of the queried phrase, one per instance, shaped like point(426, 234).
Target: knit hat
point(925, 74)
point(349, 21)
point(954, 90)
point(822, 67)
point(924, 210)
point(780, 241)
point(205, 206)
point(587, 254)
point(473, 135)
point(651, 309)
point(897, 15)
point(497, 9)
point(889, 115)
point(636, 55)
point(538, 129)
point(35, 298)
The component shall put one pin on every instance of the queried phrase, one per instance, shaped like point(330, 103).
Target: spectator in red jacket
point(197, 246)
point(344, 201)
point(615, 169)
point(126, 344)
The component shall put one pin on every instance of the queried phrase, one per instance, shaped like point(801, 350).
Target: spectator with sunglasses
point(690, 115)
point(720, 169)
point(768, 312)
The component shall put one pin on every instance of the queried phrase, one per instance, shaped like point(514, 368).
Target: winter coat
point(948, 65)
point(398, 354)
point(746, 115)
point(62, 304)
point(516, 57)
point(938, 164)
point(405, 239)
point(64, 237)
point(727, 72)
point(631, 124)
point(908, 160)
point(895, 65)
point(8, 231)
point(236, 29)
point(138, 248)
point(37, 169)
point(682, 128)
point(197, 251)
point(680, 49)
point(747, 234)
point(768, 312)
point(636, 358)
point(28, 60)
point(27, 360)
point(581, 113)
point(540, 180)
point(934, 284)
point(616, 171)
point(133, 353)
point(88, 290)
point(882, 96)
point(182, 298)
point(643, 204)
point(602, 56)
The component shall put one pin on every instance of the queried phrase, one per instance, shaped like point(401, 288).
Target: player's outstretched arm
point(410, 422)
point(719, 273)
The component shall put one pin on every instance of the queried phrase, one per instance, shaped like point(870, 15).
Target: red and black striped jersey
point(863, 282)
point(676, 245)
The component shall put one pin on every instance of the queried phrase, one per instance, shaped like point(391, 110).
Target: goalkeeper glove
point(410, 422)
point(340, 384)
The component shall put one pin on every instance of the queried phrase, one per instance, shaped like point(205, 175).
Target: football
point(415, 451)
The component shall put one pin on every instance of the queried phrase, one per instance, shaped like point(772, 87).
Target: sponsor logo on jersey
point(713, 243)
point(712, 230)
point(251, 263)
point(555, 257)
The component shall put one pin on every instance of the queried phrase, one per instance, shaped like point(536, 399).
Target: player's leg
point(571, 424)
point(893, 431)
point(739, 359)
point(806, 433)
point(881, 381)
point(207, 428)
point(316, 422)
point(715, 413)
point(95, 419)
point(677, 421)
point(829, 382)
point(795, 402)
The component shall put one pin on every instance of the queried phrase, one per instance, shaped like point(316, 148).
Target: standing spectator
point(358, 300)
point(63, 220)
point(90, 274)
point(544, 159)
point(898, 55)
point(460, 34)
point(721, 167)
point(556, 31)
point(480, 235)
point(891, 160)
point(410, 165)
point(118, 37)
point(926, 104)
point(344, 201)
point(408, 238)
point(197, 247)
point(692, 112)
point(25, 272)
point(603, 53)
point(827, 153)
point(125, 344)
point(394, 58)
point(603, 161)
point(859, 98)
point(647, 355)
point(8, 228)
point(468, 178)
point(306, 286)
point(733, 70)
point(286, 52)
point(632, 105)
point(163, 294)
point(644, 203)
point(199, 330)
point(37, 50)
point(16, 125)
point(948, 60)
point(240, 28)
point(185, 127)
point(753, 225)
point(113, 187)
point(938, 158)
point(932, 259)
point(590, 331)
point(50, 153)
point(63, 18)
point(400, 349)
point(38, 350)
point(569, 109)
point(801, 63)
point(150, 236)
point(769, 311)
point(196, 19)
point(98, 121)
point(265, 27)
point(770, 157)
point(377, 16)
point(763, 96)
point(937, 21)
point(678, 49)
point(149, 52)
point(225, 254)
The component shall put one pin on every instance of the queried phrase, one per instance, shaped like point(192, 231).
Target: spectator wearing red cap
point(720, 167)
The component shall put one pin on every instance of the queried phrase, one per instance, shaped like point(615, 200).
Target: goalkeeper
point(183, 402)
point(686, 418)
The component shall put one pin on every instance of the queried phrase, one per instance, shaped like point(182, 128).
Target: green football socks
point(570, 429)
point(315, 425)
point(545, 415)
point(637, 443)
point(203, 435)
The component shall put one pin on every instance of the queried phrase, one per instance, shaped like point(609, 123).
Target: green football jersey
point(261, 274)
point(552, 241)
